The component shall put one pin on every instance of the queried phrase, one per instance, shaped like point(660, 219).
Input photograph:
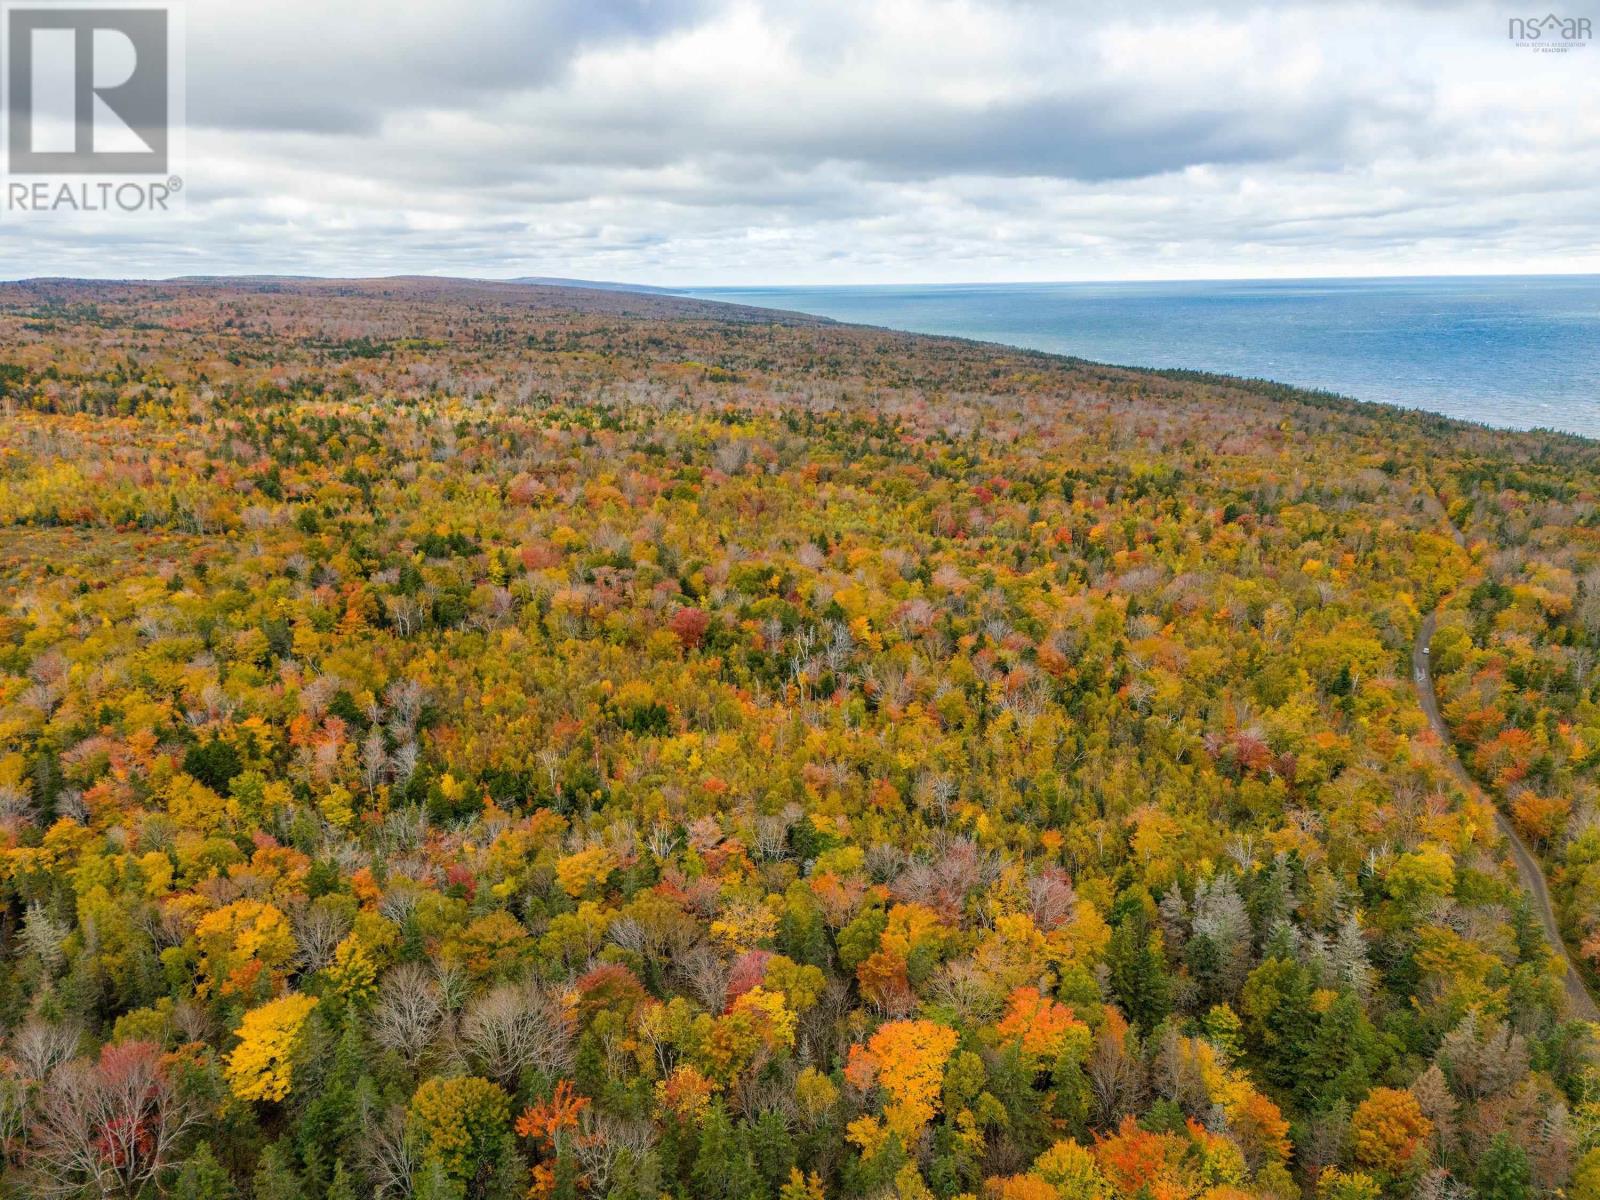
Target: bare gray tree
point(318, 928)
point(40, 1047)
point(390, 1155)
point(408, 1012)
point(515, 1026)
point(107, 1128)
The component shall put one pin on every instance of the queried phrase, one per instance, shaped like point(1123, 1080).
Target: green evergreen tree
point(203, 1178)
point(1010, 1080)
point(637, 1177)
point(1139, 978)
point(567, 1173)
point(1204, 963)
point(1279, 1021)
point(342, 1187)
point(331, 1119)
point(1503, 1171)
point(773, 1149)
point(1340, 1059)
point(716, 1151)
point(1072, 1093)
point(803, 936)
point(955, 1166)
point(589, 1076)
point(724, 1167)
point(434, 1184)
point(275, 1177)
point(510, 1179)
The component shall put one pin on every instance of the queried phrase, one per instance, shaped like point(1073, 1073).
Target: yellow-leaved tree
point(906, 1059)
point(261, 1066)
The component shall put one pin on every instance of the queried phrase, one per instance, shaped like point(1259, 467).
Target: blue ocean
point(1517, 351)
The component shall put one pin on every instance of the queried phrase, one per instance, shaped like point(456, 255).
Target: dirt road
point(1582, 1004)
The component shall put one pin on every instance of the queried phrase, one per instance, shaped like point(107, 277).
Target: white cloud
point(863, 140)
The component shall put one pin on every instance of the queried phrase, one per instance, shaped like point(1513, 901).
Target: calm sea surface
point(1520, 351)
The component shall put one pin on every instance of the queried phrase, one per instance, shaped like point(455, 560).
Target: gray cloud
point(760, 141)
point(349, 67)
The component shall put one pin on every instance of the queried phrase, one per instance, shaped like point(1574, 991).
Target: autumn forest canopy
point(475, 741)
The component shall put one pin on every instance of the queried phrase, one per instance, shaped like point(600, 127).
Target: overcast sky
point(854, 141)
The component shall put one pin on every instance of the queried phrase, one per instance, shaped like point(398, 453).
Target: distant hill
point(534, 281)
point(599, 285)
point(595, 284)
point(569, 296)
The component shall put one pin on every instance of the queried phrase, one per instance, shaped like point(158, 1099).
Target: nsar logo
point(1549, 33)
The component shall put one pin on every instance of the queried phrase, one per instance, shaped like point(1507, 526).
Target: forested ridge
point(490, 741)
